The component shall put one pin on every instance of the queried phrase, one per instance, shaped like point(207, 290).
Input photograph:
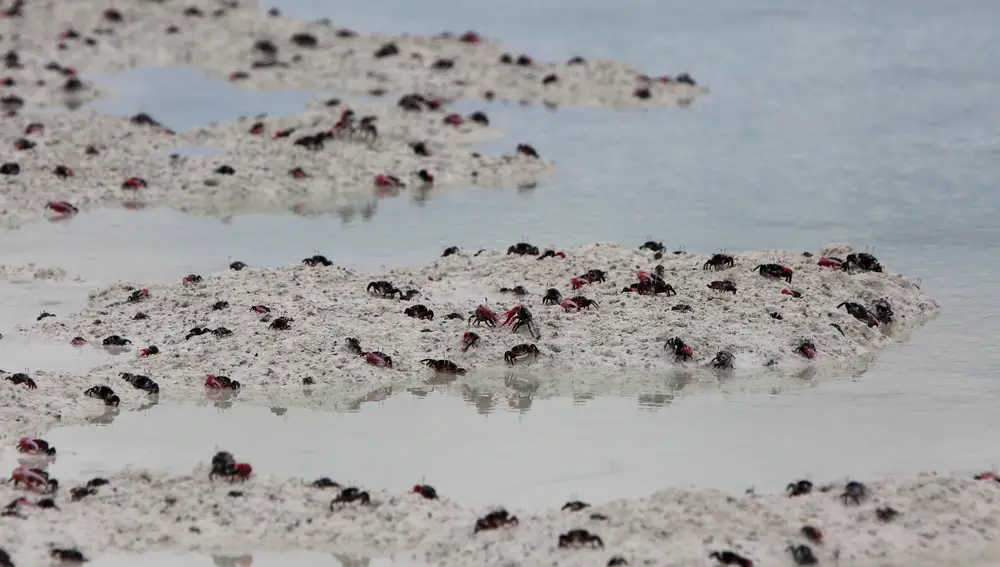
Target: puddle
point(539, 452)
point(260, 559)
point(186, 98)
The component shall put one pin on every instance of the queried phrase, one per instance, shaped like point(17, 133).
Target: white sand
point(942, 518)
point(225, 43)
point(591, 351)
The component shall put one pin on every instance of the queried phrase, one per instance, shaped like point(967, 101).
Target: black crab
point(496, 519)
point(776, 271)
point(520, 351)
point(103, 393)
point(351, 495)
point(719, 262)
point(580, 538)
point(861, 313)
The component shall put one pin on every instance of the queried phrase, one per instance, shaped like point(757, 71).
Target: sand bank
point(239, 41)
point(941, 518)
point(624, 332)
point(88, 160)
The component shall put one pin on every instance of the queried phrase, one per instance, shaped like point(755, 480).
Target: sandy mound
point(624, 331)
point(238, 41)
point(940, 518)
point(99, 155)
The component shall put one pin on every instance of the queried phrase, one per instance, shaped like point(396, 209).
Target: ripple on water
point(530, 452)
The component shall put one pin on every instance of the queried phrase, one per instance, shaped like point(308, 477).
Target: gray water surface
point(859, 122)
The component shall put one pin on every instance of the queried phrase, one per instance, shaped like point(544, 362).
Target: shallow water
point(865, 123)
point(258, 559)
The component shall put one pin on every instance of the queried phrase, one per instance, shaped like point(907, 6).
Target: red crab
point(469, 339)
point(257, 129)
point(578, 282)
point(484, 314)
point(134, 183)
point(149, 351)
point(283, 133)
point(62, 207)
point(34, 127)
point(33, 479)
point(830, 262)
point(260, 309)
point(388, 182)
point(241, 471)
point(791, 292)
point(469, 37)
point(379, 359)
point(35, 447)
point(78, 341)
point(569, 305)
point(454, 119)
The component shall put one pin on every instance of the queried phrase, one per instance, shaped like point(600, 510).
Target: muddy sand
point(938, 518)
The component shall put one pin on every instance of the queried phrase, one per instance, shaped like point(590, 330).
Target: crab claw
point(644, 276)
point(569, 304)
point(809, 352)
point(78, 341)
point(511, 314)
point(577, 283)
point(27, 445)
point(213, 382)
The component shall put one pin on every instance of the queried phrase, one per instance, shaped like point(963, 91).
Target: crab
point(152, 350)
point(192, 279)
point(831, 262)
point(20, 378)
point(774, 271)
point(483, 314)
point(552, 254)
point(68, 556)
point(577, 303)
point(799, 488)
point(653, 246)
point(281, 324)
point(197, 332)
point(222, 332)
point(516, 290)
point(860, 313)
point(886, 514)
point(383, 288)
point(855, 492)
point(450, 251)
point(791, 292)
point(523, 249)
point(324, 482)
point(115, 340)
point(522, 318)
point(861, 261)
point(443, 366)
point(551, 297)
point(419, 311)
point(425, 490)
point(103, 393)
point(260, 309)
point(219, 305)
point(519, 351)
point(317, 260)
point(730, 558)
point(591, 276)
point(221, 383)
point(138, 295)
point(225, 465)
point(802, 555)
point(580, 538)
point(719, 262)
point(80, 492)
point(806, 348)
point(496, 519)
point(354, 346)
point(723, 359)
point(237, 266)
point(882, 310)
point(33, 479)
point(469, 339)
point(723, 286)
point(350, 495)
point(812, 534)
point(682, 351)
point(652, 283)
point(35, 447)
point(140, 382)
point(379, 359)
point(575, 506)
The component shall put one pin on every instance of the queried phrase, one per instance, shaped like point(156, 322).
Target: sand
point(54, 43)
point(224, 38)
point(591, 351)
point(941, 518)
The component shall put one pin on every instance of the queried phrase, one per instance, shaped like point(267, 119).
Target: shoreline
point(193, 514)
point(623, 337)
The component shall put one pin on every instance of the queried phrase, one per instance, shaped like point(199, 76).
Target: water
point(858, 122)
